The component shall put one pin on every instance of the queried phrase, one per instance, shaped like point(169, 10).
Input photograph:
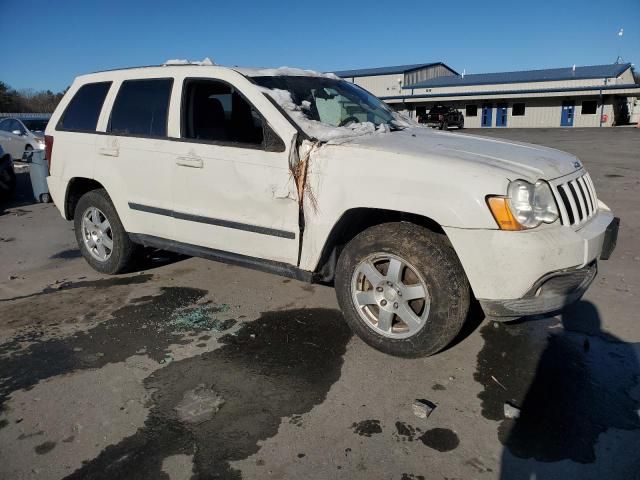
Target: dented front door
point(236, 199)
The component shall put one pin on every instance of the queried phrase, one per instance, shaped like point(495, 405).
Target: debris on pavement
point(423, 408)
point(202, 317)
point(511, 411)
point(199, 405)
point(498, 382)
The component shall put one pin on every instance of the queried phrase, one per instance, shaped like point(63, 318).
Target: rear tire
point(102, 239)
point(426, 256)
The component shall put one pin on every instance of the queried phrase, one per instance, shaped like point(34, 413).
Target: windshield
point(333, 102)
point(35, 125)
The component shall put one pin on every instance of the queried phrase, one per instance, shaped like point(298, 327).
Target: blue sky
point(61, 39)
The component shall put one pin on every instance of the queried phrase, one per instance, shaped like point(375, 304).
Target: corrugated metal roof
point(365, 72)
point(546, 75)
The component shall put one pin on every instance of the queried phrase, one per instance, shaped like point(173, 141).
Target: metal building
point(591, 96)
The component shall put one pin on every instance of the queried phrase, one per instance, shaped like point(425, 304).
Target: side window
point(141, 107)
point(16, 125)
point(4, 125)
point(214, 111)
point(84, 108)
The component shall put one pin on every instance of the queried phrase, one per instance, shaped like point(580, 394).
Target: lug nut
point(389, 283)
point(379, 289)
point(395, 305)
point(399, 293)
point(383, 302)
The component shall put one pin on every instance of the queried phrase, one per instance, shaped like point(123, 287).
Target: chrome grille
point(576, 199)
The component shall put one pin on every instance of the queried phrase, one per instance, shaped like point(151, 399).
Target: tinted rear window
point(84, 108)
point(141, 108)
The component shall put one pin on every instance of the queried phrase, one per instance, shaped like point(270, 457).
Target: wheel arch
point(76, 188)
point(354, 221)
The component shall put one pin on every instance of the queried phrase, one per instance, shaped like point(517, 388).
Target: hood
point(517, 160)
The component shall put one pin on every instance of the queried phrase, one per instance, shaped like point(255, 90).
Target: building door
point(568, 108)
point(501, 115)
point(487, 115)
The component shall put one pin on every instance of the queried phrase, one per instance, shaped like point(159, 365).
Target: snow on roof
point(181, 61)
point(283, 71)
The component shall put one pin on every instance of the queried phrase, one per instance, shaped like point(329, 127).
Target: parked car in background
point(309, 176)
point(21, 136)
point(7, 176)
point(443, 117)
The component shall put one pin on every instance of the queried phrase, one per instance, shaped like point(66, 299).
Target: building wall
point(427, 73)
point(381, 85)
point(539, 112)
point(542, 109)
point(386, 85)
point(501, 87)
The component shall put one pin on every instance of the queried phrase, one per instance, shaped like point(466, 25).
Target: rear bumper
point(57, 190)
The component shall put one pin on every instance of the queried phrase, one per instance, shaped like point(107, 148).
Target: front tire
point(402, 289)
point(102, 239)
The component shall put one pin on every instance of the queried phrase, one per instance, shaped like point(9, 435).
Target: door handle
point(192, 162)
point(109, 152)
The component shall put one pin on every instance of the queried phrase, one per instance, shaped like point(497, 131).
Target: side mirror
point(16, 132)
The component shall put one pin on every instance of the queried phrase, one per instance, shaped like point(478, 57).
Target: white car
point(19, 137)
point(311, 177)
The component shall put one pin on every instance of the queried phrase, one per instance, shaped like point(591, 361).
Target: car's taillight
point(48, 148)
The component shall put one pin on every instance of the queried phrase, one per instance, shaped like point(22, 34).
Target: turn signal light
point(500, 210)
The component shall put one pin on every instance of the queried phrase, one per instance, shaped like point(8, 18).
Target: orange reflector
point(500, 210)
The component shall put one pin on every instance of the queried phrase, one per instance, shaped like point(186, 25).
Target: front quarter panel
point(342, 178)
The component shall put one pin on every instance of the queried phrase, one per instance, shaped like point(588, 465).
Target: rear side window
point(84, 108)
point(141, 108)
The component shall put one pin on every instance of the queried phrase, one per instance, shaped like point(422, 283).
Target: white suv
point(311, 177)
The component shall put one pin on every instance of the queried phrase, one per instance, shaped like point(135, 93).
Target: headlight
point(525, 206)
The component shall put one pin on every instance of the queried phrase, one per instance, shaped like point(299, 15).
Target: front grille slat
point(578, 202)
point(585, 190)
point(576, 199)
point(593, 191)
point(582, 189)
point(568, 201)
point(564, 214)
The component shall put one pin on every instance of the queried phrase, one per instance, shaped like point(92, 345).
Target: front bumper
point(535, 271)
point(549, 294)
